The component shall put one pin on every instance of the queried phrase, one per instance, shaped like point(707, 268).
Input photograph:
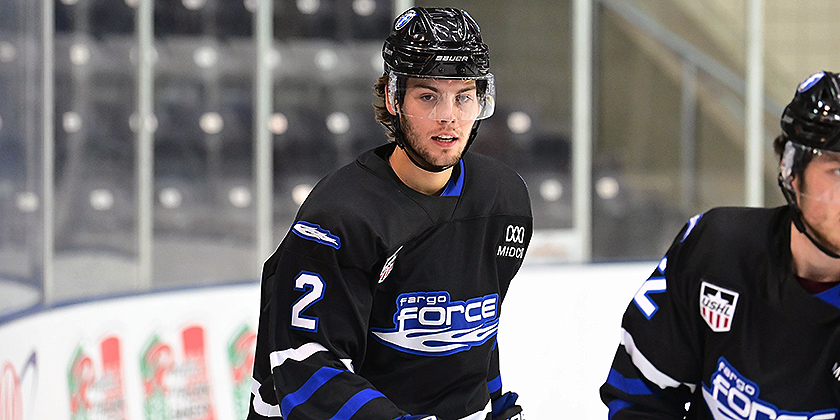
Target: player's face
point(819, 198)
point(437, 117)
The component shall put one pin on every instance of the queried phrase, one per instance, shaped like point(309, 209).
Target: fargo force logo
point(514, 241)
point(717, 306)
point(428, 324)
point(731, 396)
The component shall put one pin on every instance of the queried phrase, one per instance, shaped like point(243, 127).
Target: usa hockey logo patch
point(717, 306)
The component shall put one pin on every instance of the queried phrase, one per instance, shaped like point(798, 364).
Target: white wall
point(559, 332)
point(558, 335)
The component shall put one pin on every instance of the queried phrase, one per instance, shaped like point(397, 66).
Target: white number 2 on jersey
point(642, 297)
point(313, 287)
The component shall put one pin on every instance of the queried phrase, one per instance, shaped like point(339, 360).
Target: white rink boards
point(184, 353)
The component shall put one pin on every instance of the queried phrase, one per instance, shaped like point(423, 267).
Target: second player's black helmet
point(436, 42)
point(812, 118)
point(810, 122)
point(810, 128)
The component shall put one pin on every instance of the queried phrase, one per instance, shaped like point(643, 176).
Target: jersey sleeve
point(312, 330)
point(656, 368)
point(494, 377)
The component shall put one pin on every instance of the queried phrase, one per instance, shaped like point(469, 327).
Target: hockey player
point(741, 319)
point(383, 300)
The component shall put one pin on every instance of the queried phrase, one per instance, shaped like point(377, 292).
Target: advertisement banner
point(159, 356)
point(176, 385)
point(95, 382)
point(241, 357)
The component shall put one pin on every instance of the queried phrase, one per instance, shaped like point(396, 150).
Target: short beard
point(818, 236)
point(409, 136)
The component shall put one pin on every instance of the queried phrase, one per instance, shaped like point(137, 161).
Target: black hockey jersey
point(722, 323)
point(382, 302)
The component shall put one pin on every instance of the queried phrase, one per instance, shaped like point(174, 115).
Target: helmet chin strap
point(799, 222)
point(800, 226)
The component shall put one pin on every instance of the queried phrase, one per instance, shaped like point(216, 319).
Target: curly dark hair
point(779, 145)
point(382, 114)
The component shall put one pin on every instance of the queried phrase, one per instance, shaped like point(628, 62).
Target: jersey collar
point(455, 186)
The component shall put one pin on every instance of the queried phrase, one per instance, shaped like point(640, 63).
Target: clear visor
point(444, 99)
point(822, 180)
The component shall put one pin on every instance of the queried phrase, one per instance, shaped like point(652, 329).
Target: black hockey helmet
point(813, 116)
point(810, 125)
point(439, 43)
point(810, 129)
point(436, 42)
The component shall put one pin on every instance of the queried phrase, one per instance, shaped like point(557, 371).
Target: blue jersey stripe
point(630, 386)
point(300, 396)
point(831, 296)
point(355, 403)
point(455, 186)
point(495, 384)
point(615, 406)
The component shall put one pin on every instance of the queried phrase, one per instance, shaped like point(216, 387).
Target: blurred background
point(158, 144)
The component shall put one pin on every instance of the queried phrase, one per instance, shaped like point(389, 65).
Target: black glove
point(505, 408)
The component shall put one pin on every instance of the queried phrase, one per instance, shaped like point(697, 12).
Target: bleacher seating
point(326, 57)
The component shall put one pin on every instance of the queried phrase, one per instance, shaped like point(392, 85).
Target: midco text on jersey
point(434, 310)
point(733, 396)
point(514, 235)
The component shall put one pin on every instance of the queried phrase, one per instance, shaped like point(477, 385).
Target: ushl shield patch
point(717, 306)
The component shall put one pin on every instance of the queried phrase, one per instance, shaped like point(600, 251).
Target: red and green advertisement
point(95, 382)
point(11, 405)
point(241, 356)
point(175, 379)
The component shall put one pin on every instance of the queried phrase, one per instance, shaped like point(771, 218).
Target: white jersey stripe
point(348, 363)
point(301, 353)
point(261, 407)
point(646, 367)
point(277, 359)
